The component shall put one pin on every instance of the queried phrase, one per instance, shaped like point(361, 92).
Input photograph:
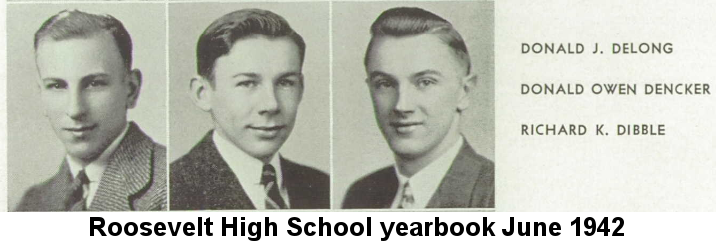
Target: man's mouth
point(405, 127)
point(267, 132)
point(267, 128)
point(80, 130)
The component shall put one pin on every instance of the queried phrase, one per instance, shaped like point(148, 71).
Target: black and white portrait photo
point(414, 125)
point(255, 78)
point(185, 105)
point(86, 108)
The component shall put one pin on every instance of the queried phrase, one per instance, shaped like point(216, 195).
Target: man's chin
point(82, 151)
point(85, 157)
point(262, 150)
point(407, 148)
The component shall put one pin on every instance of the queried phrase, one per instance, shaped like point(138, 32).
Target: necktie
point(75, 198)
point(268, 180)
point(407, 200)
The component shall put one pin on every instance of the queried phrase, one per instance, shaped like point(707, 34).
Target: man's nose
point(76, 105)
point(268, 103)
point(405, 102)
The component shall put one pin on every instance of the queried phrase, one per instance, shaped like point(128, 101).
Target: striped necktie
point(76, 197)
point(268, 180)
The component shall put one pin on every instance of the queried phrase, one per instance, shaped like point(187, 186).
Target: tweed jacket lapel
point(222, 187)
point(58, 188)
point(457, 187)
point(128, 172)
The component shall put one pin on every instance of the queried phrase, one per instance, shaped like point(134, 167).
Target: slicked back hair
point(69, 24)
point(218, 39)
point(407, 21)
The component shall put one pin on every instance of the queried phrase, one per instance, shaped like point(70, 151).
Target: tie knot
point(407, 200)
point(407, 191)
point(81, 178)
point(268, 174)
point(75, 198)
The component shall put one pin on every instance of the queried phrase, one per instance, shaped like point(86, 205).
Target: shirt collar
point(425, 182)
point(94, 169)
point(247, 168)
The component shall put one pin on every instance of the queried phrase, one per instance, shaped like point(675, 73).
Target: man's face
point(258, 86)
point(417, 87)
point(84, 92)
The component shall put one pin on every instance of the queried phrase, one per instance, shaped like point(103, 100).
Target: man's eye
point(56, 85)
point(286, 83)
point(96, 83)
point(424, 82)
point(383, 83)
point(246, 83)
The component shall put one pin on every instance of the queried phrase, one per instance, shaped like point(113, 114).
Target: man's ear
point(200, 92)
point(135, 86)
point(467, 84)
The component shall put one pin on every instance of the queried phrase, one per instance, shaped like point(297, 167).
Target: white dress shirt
point(248, 170)
point(425, 182)
point(95, 169)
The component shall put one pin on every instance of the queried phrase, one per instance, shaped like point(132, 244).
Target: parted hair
point(218, 39)
point(410, 21)
point(69, 24)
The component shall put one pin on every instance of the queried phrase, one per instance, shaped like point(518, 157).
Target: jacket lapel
point(128, 172)
point(382, 189)
point(377, 190)
point(222, 188)
point(455, 190)
point(301, 194)
point(386, 192)
point(295, 190)
point(58, 188)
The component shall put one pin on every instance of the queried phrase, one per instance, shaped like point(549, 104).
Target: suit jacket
point(469, 183)
point(135, 179)
point(202, 180)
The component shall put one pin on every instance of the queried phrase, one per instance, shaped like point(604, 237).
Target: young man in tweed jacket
point(87, 85)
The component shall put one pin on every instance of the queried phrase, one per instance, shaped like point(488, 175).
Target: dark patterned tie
point(268, 180)
point(75, 198)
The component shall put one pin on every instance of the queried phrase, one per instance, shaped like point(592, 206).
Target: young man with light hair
point(420, 81)
point(87, 85)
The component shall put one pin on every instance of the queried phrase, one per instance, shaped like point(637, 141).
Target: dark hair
point(405, 21)
point(69, 24)
point(221, 35)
